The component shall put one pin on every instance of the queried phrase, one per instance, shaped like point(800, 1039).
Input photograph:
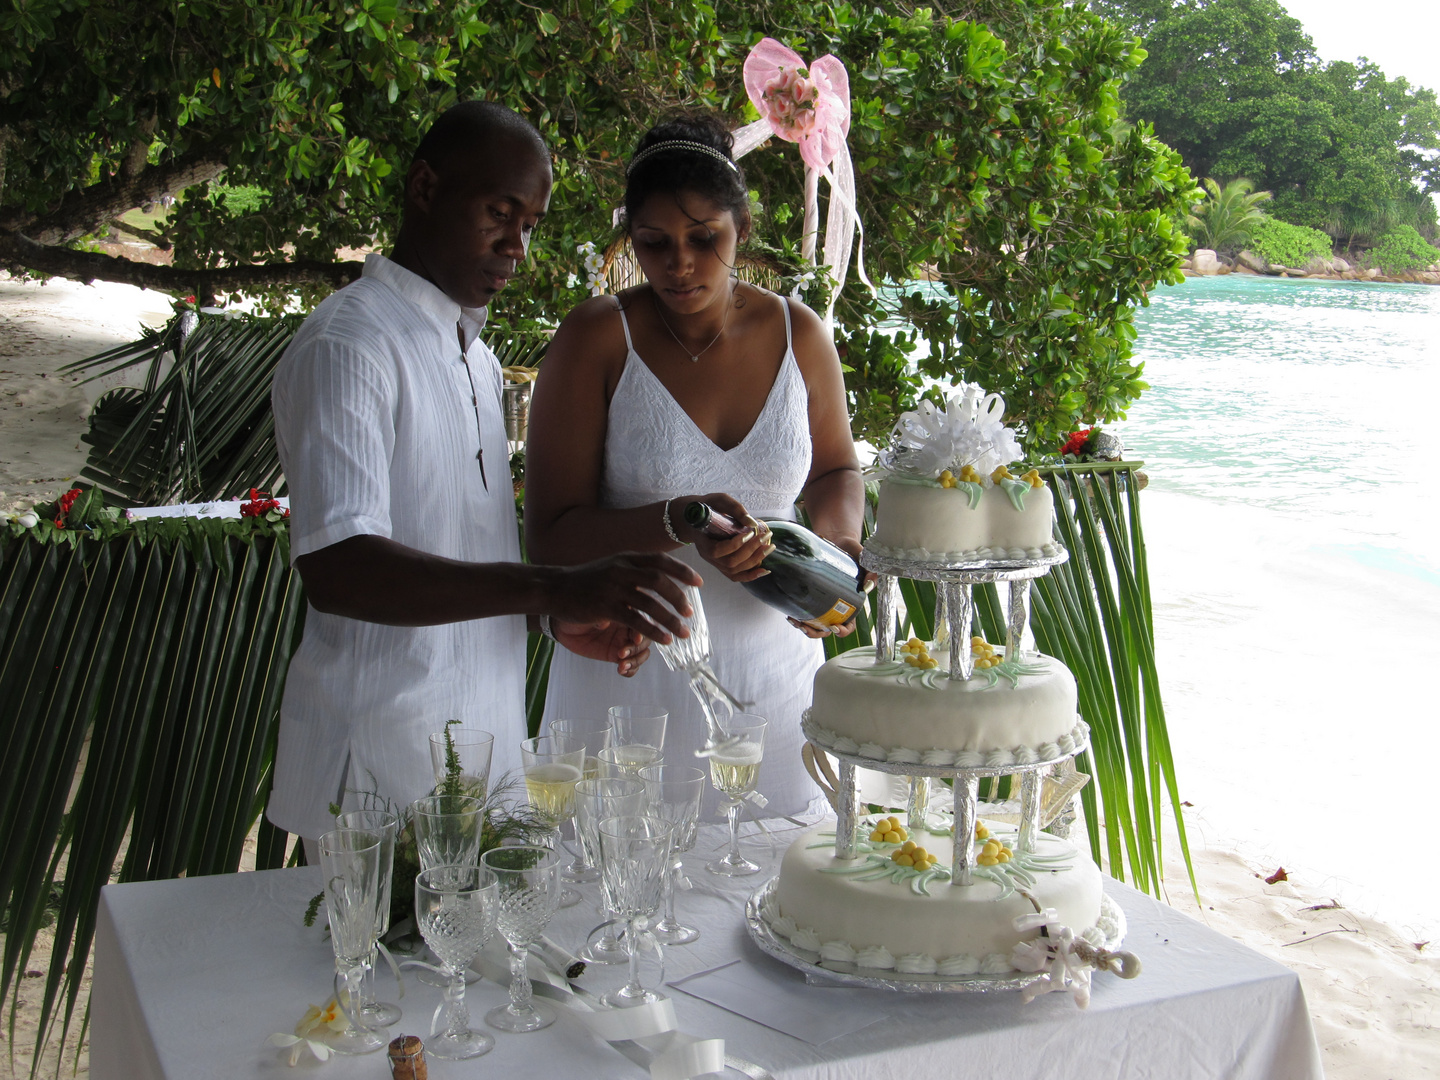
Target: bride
point(693, 385)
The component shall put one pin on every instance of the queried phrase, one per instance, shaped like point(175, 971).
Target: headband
point(680, 144)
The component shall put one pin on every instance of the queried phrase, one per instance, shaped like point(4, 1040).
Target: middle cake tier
point(1013, 712)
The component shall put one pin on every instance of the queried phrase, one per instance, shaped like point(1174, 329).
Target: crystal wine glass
point(473, 749)
point(448, 829)
point(673, 793)
point(735, 771)
point(350, 865)
point(638, 725)
point(373, 1012)
point(553, 766)
point(455, 908)
point(528, 882)
point(596, 800)
point(635, 856)
point(691, 656)
point(627, 761)
point(595, 735)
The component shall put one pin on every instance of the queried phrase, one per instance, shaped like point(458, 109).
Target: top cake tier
point(926, 522)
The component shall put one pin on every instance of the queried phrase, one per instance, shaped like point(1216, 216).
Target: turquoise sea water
point(1290, 437)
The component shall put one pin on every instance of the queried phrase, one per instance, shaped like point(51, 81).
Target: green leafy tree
point(1227, 219)
point(1281, 244)
point(1235, 86)
point(988, 143)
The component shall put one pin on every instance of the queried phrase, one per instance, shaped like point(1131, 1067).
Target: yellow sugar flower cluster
point(968, 475)
point(947, 479)
point(912, 854)
point(1033, 479)
point(915, 653)
point(889, 831)
point(981, 832)
point(1001, 473)
point(984, 653)
point(994, 853)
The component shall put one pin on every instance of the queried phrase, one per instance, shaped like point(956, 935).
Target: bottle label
point(838, 615)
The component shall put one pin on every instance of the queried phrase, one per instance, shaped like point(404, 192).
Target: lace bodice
point(653, 450)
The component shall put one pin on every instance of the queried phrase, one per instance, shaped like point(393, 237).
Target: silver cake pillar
point(967, 794)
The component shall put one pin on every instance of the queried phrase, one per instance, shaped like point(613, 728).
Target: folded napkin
point(813, 1014)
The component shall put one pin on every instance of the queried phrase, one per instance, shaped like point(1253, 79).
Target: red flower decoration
point(260, 504)
point(62, 508)
point(1075, 444)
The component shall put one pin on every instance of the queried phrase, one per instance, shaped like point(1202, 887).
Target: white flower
point(28, 520)
point(571, 280)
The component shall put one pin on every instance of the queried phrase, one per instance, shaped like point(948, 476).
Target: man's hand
point(623, 591)
point(618, 645)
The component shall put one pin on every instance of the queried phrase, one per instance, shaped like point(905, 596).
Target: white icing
point(999, 758)
point(1024, 755)
point(805, 937)
point(875, 956)
point(937, 757)
point(970, 759)
point(995, 964)
point(996, 758)
point(933, 524)
point(872, 750)
point(957, 965)
point(916, 964)
point(834, 950)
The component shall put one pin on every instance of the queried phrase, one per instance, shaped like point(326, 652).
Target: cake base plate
point(876, 979)
point(966, 571)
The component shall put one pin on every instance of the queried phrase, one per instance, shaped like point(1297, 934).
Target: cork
point(407, 1058)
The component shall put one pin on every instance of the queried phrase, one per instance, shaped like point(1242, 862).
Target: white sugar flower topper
point(969, 430)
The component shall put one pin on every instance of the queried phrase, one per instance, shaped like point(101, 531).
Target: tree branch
point(86, 209)
point(22, 252)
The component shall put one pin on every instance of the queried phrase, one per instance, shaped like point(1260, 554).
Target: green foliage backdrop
point(987, 136)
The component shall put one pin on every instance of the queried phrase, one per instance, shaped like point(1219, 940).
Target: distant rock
point(1339, 265)
point(1252, 262)
point(1318, 265)
point(1204, 262)
point(1372, 273)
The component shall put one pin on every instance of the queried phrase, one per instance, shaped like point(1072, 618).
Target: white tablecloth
point(191, 976)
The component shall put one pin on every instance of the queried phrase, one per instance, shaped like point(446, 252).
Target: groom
point(389, 424)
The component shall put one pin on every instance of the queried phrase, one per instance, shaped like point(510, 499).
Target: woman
point(693, 386)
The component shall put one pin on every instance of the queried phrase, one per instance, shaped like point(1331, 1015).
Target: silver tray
point(970, 572)
point(851, 975)
point(901, 768)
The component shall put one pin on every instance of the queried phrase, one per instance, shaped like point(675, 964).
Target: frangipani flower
point(311, 1031)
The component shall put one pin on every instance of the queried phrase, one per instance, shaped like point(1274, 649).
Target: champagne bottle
point(810, 579)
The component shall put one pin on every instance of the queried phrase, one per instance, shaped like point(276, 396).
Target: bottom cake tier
point(905, 916)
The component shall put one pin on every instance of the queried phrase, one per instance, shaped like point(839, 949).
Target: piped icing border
point(997, 758)
point(1105, 933)
point(1047, 550)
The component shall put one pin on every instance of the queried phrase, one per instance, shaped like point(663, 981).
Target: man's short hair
point(471, 124)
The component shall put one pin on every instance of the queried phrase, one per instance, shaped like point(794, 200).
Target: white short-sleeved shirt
point(380, 434)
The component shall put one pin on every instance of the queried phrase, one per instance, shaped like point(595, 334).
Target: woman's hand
point(738, 557)
point(851, 547)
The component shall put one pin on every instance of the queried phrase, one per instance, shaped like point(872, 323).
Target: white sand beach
point(1374, 993)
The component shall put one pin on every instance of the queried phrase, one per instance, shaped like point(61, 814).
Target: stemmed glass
point(691, 655)
point(553, 766)
point(448, 832)
point(350, 864)
point(455, 908)
point(528, 880)
point(595, 735)
point(473, 750)
point(735, 770)
point(373, 1012)
point(638, 725)
point(596, 800)
point(635, 857)
point(673, 793)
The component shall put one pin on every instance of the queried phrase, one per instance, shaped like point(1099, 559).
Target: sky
point(1402, 37)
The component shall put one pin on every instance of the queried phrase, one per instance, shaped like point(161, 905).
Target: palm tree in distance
point(1226, 220)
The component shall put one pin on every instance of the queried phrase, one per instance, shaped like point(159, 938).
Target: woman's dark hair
point(714, 176)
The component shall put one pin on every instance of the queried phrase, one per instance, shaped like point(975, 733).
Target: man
point(389, 424)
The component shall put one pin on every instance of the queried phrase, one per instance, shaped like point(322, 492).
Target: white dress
point(653, 452)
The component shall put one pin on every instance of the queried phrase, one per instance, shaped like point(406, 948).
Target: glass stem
point(672, 883)
point(354, 976)
point(732, 813)
point(633, 987)
point(367, 993)
point(457, 1017)
point(519, 980)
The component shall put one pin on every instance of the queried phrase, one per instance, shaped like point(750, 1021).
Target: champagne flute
point(455, 908)
point(634, 861)
point(374, 1012)
point(473, 749)
point(350, 865)
point(528, 883)
point(627, 761)
point(596, 737)
point(691, 655)
point(735, 771)
point(639, 725)
point(596, 800)
point(673, 793)
point(448, 832)
point(553, 766)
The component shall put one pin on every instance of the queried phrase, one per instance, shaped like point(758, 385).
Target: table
point(192, 975)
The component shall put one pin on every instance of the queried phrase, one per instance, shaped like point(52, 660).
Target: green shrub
point(1401, 249)
point(1281, 244)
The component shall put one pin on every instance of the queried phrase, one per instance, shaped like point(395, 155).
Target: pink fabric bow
point(808, 106)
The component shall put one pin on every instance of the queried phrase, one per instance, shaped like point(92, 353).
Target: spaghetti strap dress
point(653, 452)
